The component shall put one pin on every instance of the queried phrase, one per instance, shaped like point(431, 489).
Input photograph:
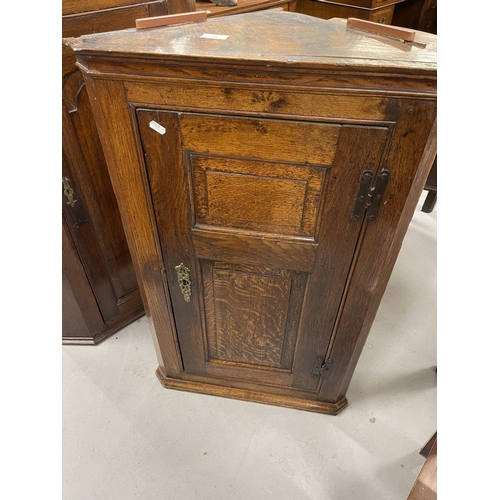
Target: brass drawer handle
point(68, 192)
point(184, 280)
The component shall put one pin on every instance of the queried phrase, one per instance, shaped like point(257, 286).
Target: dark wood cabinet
point(100, 293)
point(377, 11)
point(245, 6)
point(265, 193)
point(417, 14)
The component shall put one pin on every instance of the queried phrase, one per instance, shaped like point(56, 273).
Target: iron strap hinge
point(321, 369)
point(370, 194)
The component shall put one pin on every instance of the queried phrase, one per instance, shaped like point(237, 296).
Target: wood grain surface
point(287, 194)
point(250, 317)
point(255, 396)
point(78, 6)
point(252, 313)
point(270, 38)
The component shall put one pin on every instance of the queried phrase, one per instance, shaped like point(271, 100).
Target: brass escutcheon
point(184, 280)
point(68, 192)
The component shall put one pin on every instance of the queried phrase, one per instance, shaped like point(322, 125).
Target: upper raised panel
point(256, 195)
point(241, 199)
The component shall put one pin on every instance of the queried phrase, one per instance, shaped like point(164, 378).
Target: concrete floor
point(125, 437)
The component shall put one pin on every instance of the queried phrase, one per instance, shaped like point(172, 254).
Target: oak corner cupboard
point(266, 177)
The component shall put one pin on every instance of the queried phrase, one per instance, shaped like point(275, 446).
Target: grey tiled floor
point(125, 437)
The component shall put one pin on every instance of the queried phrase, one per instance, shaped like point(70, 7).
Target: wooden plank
point(150, 22)
point(246, 6)
point(246, 249)
point(104, 21)
point(381, 29)
point(76, 6)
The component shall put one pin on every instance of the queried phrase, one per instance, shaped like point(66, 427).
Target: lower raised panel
point(252, 314)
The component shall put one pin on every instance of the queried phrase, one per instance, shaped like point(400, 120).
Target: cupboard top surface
point(282, 38)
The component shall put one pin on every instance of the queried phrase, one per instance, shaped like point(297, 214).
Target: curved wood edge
point(254, 396)
point(73, 84)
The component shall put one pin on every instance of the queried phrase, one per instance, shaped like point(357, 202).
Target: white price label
point(214, 37)
point(156, 126)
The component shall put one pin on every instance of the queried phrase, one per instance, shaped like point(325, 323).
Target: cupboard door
point(254, 221)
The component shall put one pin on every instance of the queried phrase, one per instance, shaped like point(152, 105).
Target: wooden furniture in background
point(245, 6)
point(417, 14)
point(265, 192)
point(378, 11)
point(100, 293)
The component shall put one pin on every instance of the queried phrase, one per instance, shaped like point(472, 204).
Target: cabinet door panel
point(284, 199)
point(252, 313)
point(257, 214)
